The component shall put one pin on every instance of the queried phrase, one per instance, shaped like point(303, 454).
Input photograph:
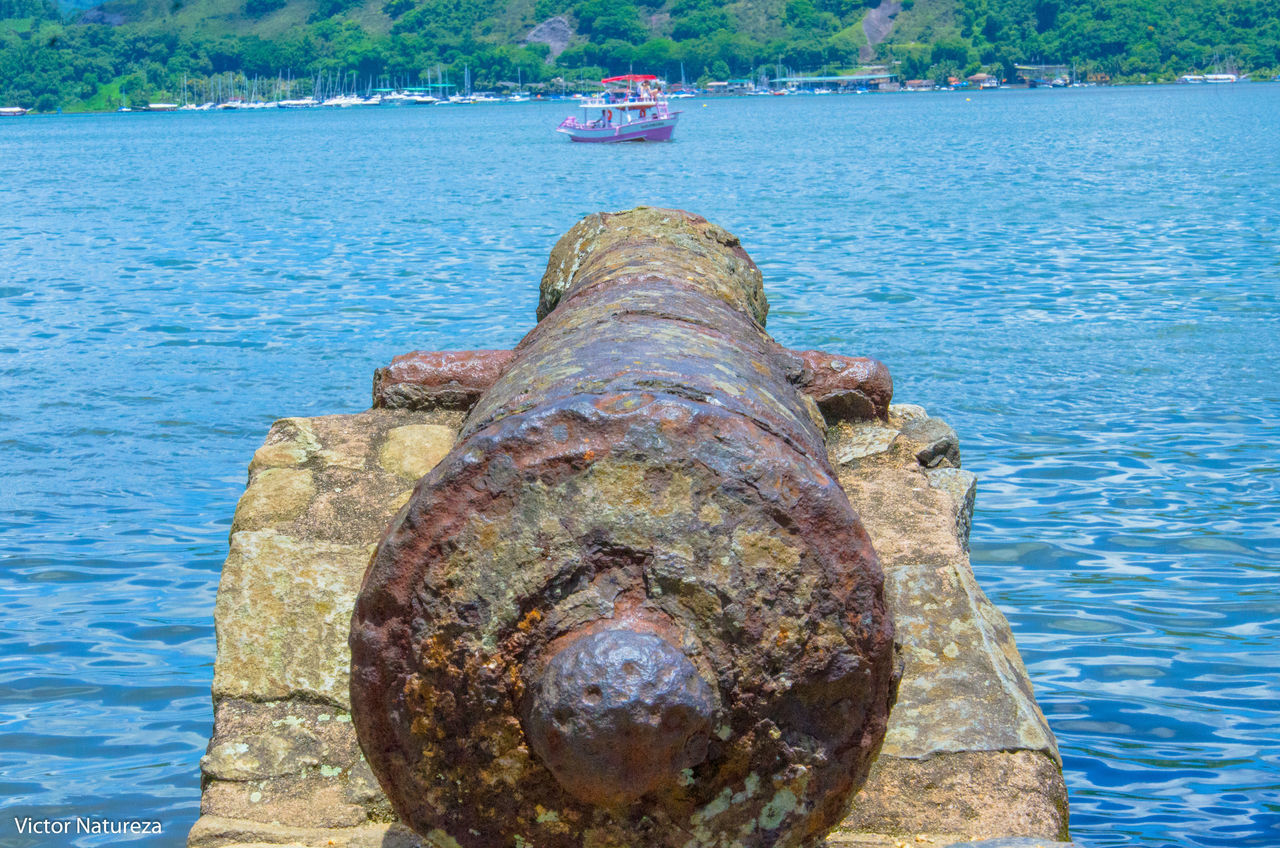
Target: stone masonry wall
point(968, 754)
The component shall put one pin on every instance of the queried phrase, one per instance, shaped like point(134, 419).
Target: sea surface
point(1084, 283)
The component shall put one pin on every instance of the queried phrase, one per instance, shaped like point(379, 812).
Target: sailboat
point(684, 88)
point(465, 96)
point(519, 96)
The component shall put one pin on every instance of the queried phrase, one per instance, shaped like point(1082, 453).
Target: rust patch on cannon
point(632, 606)
point(438, 379)
point(846, 387)
point(618, 713)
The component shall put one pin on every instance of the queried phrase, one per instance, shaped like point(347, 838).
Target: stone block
point(962, 486)
point(320, 494)
point(212, 831)
point(339, 478)
point(935, 443)
point(961, 689)
point(910, 520)
point(282, 617)
point(964, 795)
point(412, 450)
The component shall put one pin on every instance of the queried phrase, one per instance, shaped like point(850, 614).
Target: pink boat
point(634, 113)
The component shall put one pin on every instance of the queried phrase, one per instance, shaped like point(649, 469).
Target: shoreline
point(264, 106)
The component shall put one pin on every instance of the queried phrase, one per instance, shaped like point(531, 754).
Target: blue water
point(1083, 282)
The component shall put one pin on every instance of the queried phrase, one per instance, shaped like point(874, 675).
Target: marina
point(338, 92)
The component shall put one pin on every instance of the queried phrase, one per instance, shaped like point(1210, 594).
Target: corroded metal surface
point(617, 714)
point(438, 379)
point(847, 387)
point(644, 472)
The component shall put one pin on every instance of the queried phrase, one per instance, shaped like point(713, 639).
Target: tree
point(605, 19)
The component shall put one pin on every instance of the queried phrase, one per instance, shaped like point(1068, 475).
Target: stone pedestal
point(968, 754)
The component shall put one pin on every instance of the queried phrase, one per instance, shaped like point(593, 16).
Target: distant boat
point(1221, 78)
point(408, 98)
point(12, 111)
point(519, 96)
point(162, 107)
point(684, 91)
point(622, 114)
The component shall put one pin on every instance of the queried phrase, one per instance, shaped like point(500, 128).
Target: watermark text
point(85, 824)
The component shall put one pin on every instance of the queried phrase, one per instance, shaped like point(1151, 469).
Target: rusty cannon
point(632, 606)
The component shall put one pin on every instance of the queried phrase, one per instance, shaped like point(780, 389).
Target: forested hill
point(142, 50)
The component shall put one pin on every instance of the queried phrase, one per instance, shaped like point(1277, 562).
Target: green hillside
point(143, 50)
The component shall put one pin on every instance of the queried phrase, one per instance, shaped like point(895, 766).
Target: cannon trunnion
point(632, 606)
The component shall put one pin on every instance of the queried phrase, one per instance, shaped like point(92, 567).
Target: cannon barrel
point(632, 606)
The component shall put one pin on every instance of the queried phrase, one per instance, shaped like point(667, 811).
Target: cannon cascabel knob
point(617, 714)
point(639, 501)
